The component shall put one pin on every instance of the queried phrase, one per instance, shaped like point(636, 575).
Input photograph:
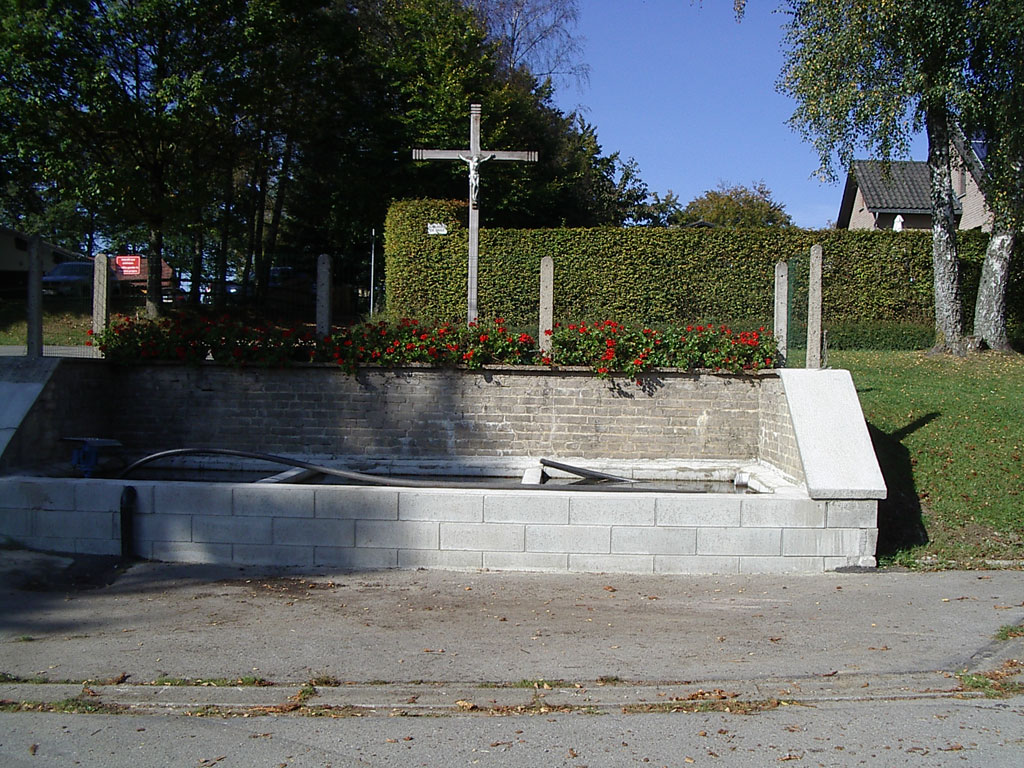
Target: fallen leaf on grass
point(465, 706)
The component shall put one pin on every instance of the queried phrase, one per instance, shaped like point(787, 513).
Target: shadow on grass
point(900, 525)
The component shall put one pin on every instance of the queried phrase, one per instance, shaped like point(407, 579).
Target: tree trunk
point(282, 184)
point(154, 272)
point(260, 260)
point(990, 311)
point(948, 311)
point(195, 288)
point(220, 280)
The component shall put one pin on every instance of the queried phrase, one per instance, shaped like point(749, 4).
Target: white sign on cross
point(473, 158)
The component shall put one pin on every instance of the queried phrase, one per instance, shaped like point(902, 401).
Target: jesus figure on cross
point(473, 159)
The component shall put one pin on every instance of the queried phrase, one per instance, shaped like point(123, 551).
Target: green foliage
point(238, 135)
point(876, 335)
point(734, 206)
point(655, 275)
point(190, 338)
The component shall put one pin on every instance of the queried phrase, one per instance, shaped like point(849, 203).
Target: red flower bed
point(609, 348)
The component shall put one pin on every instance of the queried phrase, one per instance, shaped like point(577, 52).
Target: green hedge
point(875, 280)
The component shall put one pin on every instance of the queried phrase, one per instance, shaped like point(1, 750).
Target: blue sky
point(690, 94)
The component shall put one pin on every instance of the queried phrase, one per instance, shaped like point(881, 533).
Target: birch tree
point(992, 110)
point(866, 74)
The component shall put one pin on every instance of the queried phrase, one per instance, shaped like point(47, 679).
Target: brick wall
point(776, 438)
point(433, 413)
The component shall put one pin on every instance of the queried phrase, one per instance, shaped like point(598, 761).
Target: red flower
point(483, 337)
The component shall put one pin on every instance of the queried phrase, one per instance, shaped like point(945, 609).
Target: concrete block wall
point(347, 527)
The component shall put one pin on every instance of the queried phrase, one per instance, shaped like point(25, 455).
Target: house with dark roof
point(897, 195)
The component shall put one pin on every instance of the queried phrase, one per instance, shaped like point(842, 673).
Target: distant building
point(897, 195)
point(14, 260)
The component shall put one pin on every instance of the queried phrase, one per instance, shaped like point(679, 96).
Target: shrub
point(643, 275)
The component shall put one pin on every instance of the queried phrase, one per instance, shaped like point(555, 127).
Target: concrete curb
point(440, 698)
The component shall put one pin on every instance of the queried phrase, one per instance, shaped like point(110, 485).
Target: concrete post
point(100, 293)
point(781, 329)
point(547, 303)
point(35, 297)
point(323, 296)
point(814, 309)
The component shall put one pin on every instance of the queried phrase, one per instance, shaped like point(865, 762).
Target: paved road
point(435, 668)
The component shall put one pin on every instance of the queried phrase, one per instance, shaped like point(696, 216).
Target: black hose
point(400, 482)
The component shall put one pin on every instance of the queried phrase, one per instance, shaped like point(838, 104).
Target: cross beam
point(473, 157)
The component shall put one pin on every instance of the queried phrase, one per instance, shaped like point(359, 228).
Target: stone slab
point(838, 457)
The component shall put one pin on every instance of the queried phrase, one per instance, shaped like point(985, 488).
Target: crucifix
point(474, 157)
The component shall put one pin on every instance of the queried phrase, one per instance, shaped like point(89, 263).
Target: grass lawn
point(949, 434)
point(66, 322)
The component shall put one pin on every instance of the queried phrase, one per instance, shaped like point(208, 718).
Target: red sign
point(129, 265)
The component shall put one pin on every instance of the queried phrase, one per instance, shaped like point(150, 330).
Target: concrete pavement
point(157, 665)
point(168, 637)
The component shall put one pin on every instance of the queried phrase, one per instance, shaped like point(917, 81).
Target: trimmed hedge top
point(656, 275)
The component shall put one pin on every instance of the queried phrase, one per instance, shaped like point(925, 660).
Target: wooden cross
point(473, 158)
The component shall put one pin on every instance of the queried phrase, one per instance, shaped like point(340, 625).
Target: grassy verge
point(66, 322)
point(950, 438)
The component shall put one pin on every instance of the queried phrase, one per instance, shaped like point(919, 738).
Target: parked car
point(72, 278)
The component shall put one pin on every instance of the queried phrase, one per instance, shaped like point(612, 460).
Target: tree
point(535, 35)
point(867, 73)
point(992, 110)
point(119, 100)
point(238, 134)
point(734, 206)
